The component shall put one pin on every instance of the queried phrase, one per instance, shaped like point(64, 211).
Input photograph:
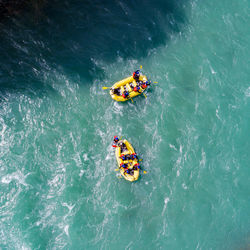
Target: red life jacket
point(136, 76)
point(144, 85)
point(124, 96)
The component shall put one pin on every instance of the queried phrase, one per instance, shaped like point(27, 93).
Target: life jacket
point(136, 75)
point(125, 95)
point(136, 89)
point(144, 85)
point(129, 171)
point(123, 157)
point(133, 156)
point(124, 166)
point(115, 142)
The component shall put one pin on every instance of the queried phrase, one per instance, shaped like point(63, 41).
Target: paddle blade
point(145, 96)
point(106, 87)
point(117, 169)
point(132, 100)
point(155, 82)
point(145, 172)
point(140, 66)
point(140, 159)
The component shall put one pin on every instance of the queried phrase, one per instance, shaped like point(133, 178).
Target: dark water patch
point(71, 36)
point(10, 8)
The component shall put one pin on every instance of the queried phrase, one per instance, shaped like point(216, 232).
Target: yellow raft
point(125, 148)
point(128, 85)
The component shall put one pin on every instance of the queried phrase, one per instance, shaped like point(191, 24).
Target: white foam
point(70, 207)
point(217, 113)
point(166, 200)
point(85, 157)
point(178, 173)
point(81, 173)
point(66, 230)
point(247, 92)
point(172, 146)
point(18, 176)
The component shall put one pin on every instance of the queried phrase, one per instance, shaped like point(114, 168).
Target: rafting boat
point(127, 86)
point(125, 148)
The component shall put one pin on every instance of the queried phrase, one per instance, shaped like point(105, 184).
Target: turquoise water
point(58, 187)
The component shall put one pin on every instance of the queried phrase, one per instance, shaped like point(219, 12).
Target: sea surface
point(58, 184)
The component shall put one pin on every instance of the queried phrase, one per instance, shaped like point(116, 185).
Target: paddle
point(144, 95)
point(106, 87)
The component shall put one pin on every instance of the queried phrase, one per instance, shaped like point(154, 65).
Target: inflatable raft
point(126, 149)
point(127, 85)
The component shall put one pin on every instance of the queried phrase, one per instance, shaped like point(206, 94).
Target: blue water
point(58, 184)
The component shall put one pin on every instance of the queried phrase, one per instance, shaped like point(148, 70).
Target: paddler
point(123, 157)
point(115, 91)
point(136, 75)
point(136, 166)
point(125, 94)
point(124, 166)
point(115, 142)
point(137, 88)
point(130, 171)
point(145, 84)
point(134, 156)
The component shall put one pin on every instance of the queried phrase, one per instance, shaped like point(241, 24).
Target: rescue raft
point(128, 85)
point(126, 149)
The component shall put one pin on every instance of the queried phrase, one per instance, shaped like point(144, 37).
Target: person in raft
point(116, 91)
point(122, 146)
point(123, 157)
point(129, 171)
point(145, 84)
point(129, 157)
point(115, 142)
point(136, 75)
point(133, 156)
point(124, 166)
point(136, 166)
point(137, 88)
point(125, 94)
